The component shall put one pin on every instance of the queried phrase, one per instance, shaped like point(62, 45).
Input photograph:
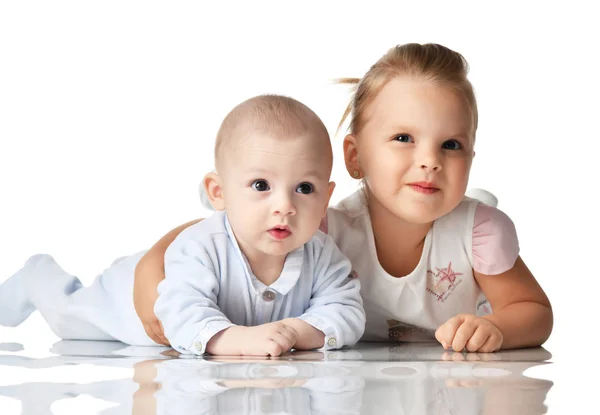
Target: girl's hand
point(150, 271)
point(144, 296)
point(467, 331)
point(270, 339)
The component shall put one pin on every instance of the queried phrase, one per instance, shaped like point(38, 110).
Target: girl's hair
point(431, 61)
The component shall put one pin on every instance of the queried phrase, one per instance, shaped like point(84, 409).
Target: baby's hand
point(476, 334)
point(270, 339)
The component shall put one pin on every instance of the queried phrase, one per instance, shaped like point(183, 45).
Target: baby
point(256, 278)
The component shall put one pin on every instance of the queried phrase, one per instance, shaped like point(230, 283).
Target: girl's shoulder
point(495, 243)
point(489, 235)
point(351, 206)
point(346, 215)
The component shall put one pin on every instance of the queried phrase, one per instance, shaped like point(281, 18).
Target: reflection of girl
point(311, 383)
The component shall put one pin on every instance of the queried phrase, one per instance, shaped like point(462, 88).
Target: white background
point(108, 113)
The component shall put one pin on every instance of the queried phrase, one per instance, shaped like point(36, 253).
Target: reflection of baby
point(343, 382)
point(266, 387)
point(38, 397)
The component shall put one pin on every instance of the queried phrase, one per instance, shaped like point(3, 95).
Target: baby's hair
point(430, 61)
point(274, 115)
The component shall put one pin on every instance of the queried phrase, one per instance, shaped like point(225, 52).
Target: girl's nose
point(428, 159)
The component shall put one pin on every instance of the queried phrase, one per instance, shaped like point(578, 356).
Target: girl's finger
point(462, 335)
point(445, 333)
point(477, 339)
point(164, 339)
point(150, 333)
point(492, 344)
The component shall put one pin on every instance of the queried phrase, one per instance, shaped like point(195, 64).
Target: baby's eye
point(403, 138)
point(304, 188)
point(260, 185)
point(451, 145)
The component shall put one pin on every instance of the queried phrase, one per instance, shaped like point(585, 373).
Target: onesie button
point(198, 346)
point(331, 342)
point(268, 295)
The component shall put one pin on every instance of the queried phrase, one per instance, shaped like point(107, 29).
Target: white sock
point(15, 303)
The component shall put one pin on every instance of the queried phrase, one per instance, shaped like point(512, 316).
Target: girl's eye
point(260, 185)
point(451, 145)
point(304, 188)
point(403, 138)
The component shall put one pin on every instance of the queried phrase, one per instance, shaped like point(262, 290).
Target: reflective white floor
point(373, 378)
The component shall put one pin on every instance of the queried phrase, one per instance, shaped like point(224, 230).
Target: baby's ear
point(330, 191)
point(214, 190)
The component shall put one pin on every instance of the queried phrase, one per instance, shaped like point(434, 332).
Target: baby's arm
point(307, 336)
point(336, 310)
point(149, 272)
point(187, 306)
point(187, 300)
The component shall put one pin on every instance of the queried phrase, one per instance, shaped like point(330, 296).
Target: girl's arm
point(520, 308)
point(149, 272)
point(521, 313)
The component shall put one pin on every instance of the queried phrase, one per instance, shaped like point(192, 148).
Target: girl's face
point(415, 149)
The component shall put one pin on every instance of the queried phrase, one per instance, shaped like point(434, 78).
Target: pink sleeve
point(495, 243)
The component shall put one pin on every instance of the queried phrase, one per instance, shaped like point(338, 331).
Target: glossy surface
point(373, 378)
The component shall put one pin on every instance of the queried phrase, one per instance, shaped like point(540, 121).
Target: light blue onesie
point(209, 286)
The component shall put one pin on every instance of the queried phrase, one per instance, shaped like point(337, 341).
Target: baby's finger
point(462, 336)
point(477, 339)
point(289, 333)
point(445, 333)
point(283, 341)
point(274, 349)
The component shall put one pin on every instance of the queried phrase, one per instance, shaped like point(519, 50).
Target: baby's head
point(273, 163)
point(413, 119)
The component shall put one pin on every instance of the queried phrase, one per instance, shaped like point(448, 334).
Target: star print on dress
point(443, 282)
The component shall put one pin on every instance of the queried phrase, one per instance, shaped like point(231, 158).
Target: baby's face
point(276, 191)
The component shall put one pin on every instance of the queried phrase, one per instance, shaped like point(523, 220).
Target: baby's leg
point(15, 306)
point(43, 285)
point(102, 311)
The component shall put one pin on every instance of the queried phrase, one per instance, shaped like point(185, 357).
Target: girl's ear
point(351, 157)
point(213, 187)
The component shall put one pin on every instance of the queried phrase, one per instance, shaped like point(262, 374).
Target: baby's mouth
point(280, 232)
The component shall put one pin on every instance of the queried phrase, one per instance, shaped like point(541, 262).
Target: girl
point(429, 259)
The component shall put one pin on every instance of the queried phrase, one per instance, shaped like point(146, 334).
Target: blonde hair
point(275, 115)
point(429, 61)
